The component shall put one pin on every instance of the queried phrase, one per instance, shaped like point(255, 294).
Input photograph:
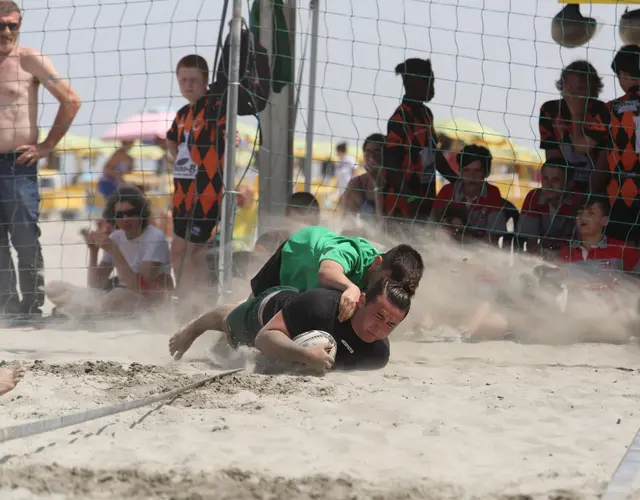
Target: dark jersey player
point(317, 257)
point(271, 320)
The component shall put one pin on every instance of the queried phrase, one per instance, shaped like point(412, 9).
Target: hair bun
point(409, 287)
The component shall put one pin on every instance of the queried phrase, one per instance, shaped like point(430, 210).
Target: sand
point(443, 420)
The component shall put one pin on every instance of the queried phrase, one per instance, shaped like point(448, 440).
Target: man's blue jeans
point(19, 216)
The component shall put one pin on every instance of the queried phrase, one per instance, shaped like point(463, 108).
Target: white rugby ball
point(317, 338)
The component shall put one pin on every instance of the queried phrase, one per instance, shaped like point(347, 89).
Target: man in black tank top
point(271, 320)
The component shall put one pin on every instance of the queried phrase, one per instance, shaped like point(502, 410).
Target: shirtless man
point(22, 70)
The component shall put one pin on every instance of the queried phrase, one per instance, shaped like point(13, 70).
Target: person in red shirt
point(482, 200)
point(574, 127)
point(594, 261)
point(548, 217)
point(411, 156)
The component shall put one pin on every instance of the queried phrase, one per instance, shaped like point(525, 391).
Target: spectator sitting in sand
point(137, 251)
point(97, 276)
point(9, 377)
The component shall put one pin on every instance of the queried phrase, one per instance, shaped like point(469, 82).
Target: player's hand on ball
point(318, 359)
point(349, 303)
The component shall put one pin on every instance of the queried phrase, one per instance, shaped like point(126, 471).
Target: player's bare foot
point(181, 342)
point(9, 377)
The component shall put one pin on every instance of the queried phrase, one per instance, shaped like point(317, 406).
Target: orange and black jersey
point(624, 154)
point(411, 148)
point(198, 130)
point(556, 125)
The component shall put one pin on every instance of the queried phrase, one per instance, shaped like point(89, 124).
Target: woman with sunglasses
point(136, 250)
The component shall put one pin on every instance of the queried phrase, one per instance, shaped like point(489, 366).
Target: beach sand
point(443, 420)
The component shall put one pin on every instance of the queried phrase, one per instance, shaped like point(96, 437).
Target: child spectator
point(593, 260)
point(548, 217)
point(196, 142)
point(481, 199)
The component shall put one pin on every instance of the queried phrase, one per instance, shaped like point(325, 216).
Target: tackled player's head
point(384, 306)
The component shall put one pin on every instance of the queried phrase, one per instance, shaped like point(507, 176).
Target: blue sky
point(494, 60)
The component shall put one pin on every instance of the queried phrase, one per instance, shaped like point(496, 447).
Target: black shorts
point(199, 231)
point(269, 275)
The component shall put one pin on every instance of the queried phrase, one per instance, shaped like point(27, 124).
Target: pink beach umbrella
point(142, 127)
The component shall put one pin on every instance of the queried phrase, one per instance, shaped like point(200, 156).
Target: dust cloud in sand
point(550, 419)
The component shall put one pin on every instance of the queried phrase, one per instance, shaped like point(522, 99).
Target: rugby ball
point(317, 338)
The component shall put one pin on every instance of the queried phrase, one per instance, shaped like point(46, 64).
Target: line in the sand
point(51, 424)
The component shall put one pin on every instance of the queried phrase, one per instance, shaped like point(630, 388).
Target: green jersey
point(305, 250)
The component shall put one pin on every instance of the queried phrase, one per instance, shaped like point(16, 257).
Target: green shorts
point(245, 321)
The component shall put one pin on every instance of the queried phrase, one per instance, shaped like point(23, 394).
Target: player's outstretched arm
point(274, 340)
point(214, 319)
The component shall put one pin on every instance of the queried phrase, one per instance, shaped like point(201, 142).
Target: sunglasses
point(127, 214)
point(13, 27)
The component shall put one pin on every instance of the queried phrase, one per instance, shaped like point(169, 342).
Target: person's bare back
point(18, 100)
